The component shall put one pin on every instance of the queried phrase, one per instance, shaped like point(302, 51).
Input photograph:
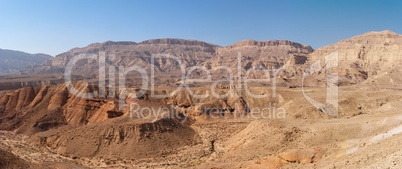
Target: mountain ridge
point(12, 61)
point(360, 57)
point(191, 52)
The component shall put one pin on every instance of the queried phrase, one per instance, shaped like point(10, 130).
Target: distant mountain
point(13, 61)
point(255, 55)
point(373, 57)
point(191, 53)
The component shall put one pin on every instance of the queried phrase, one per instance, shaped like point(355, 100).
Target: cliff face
point(364, 56)
point(256, 55)
point(262, 55)
point(190, 52)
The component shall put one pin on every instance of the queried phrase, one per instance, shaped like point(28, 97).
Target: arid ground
point(334, 107)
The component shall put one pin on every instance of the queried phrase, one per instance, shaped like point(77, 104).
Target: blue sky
point(55, 26)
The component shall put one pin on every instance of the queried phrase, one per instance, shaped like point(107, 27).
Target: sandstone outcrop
point(361, 57)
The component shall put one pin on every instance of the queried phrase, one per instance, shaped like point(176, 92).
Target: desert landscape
point(285, 121)
point(200, 84)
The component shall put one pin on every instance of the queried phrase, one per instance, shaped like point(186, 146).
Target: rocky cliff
point(190, 52)
point(363, 56)
point(255, 55)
